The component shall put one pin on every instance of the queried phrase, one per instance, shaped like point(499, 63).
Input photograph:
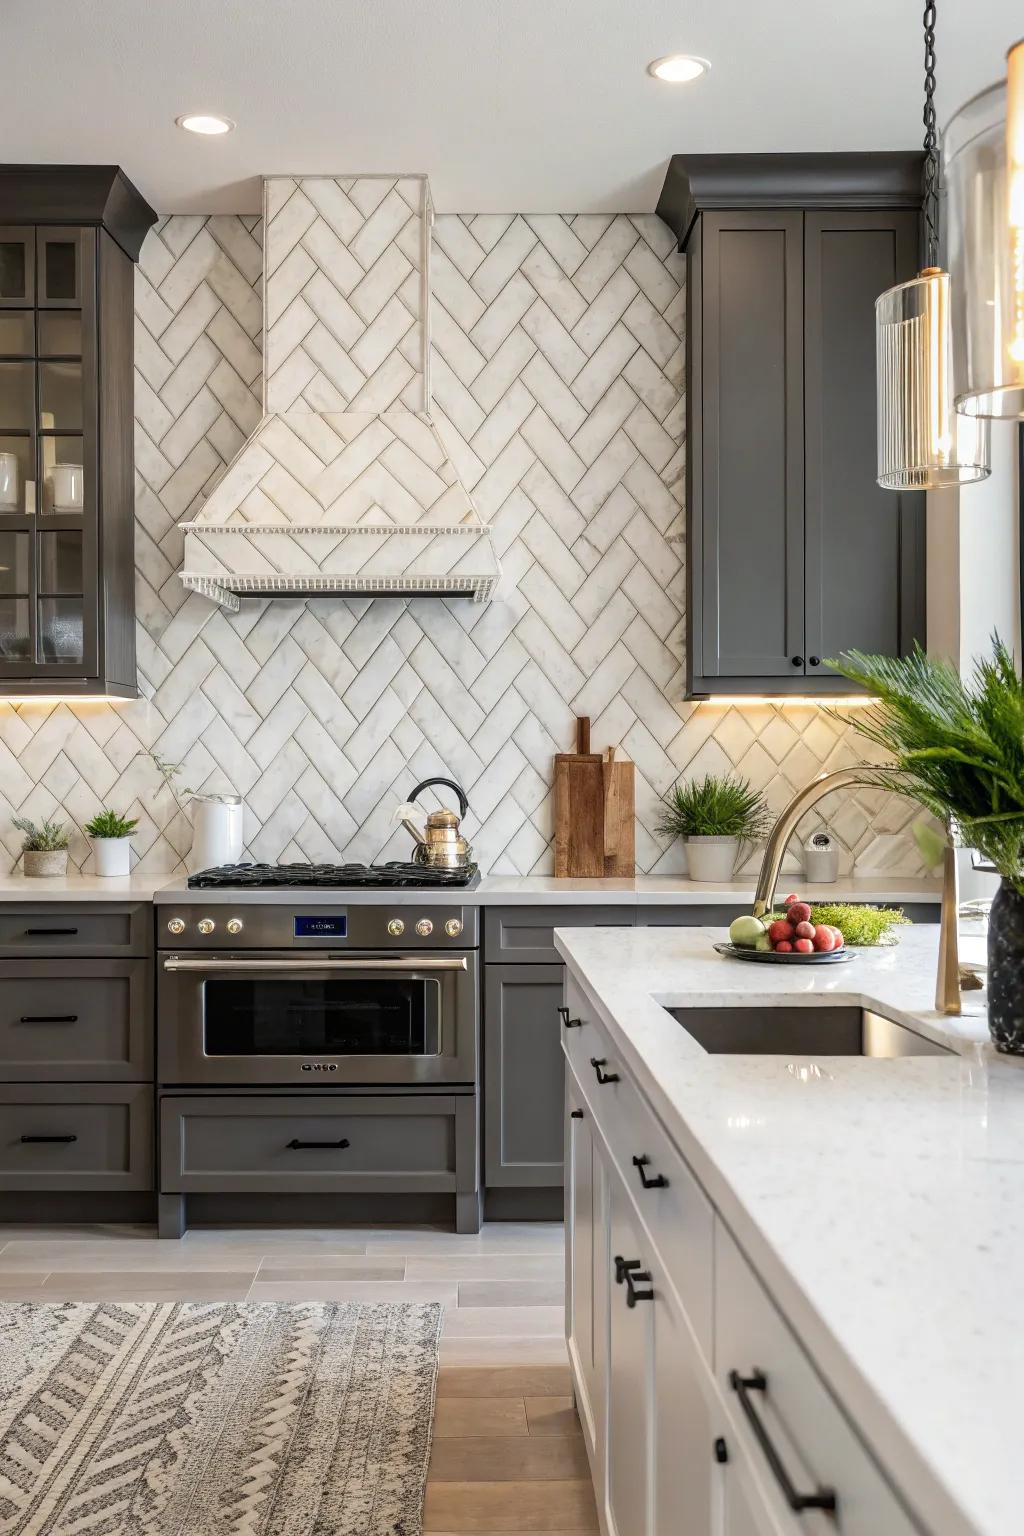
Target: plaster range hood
point(346, 485)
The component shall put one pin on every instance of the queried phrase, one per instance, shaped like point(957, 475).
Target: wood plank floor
point(508, 1455)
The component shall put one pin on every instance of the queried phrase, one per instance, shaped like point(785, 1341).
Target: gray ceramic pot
point(38, 863)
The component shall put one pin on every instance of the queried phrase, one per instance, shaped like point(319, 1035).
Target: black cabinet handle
point(815, 661)
point(628, 1272)
point(658, 1182)
point(49, 1138)
point(563, 1014)
point(38, 932)
point(48, 1018)
point(295, 1143)
point(603, 1077)
point(797, 661)
point(575, 1114)
point(721, 1451)
point(823, 1498)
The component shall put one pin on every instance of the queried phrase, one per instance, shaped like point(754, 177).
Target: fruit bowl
point(774, 957)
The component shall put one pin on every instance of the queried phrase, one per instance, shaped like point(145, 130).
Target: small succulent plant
point(109, 824)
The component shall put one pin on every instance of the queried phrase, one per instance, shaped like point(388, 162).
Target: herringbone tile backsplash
point(557, 375)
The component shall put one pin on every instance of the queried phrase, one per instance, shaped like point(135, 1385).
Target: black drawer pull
point(815, 661)
point(563, 1014)
point(39, 932)
point(575, 1114)
point(603, 1077)
point(628, 1271)
point(658, 1182)
point(48, 1018)
point(824, 1498)
point(49, 1138)
point(295, 1143)
point(797, 661)
point(721, 1451)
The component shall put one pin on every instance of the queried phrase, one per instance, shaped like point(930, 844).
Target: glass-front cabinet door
point(48, 454)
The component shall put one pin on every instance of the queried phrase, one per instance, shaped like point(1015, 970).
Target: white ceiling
point(530, 105)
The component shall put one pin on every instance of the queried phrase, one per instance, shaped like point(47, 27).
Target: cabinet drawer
point(677, 1214)
point(815, 1442)
point(72, 1136)
point(101, 929)
point(385, 1144)
point(523, 935)
point(75, 1020)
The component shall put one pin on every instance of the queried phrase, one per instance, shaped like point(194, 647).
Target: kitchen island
point(848, 1227)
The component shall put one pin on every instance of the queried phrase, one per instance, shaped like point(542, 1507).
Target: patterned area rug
point(190, 1418)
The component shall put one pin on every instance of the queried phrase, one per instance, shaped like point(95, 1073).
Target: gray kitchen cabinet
point(76, 1136)
point(524, 1076)
point(99, 930)
point(76, 1020)
point(794, 552)
point(524, 935)
point(631, 1366)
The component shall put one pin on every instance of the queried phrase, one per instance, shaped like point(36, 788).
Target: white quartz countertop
point(882, 1202)
point(17, 887)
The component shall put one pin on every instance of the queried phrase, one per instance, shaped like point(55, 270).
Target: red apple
point(803, 946)
point(790, 900)
point(805, 930)
point(780, 929)
point(824, 938)
point(840, 941)
point(783, 947)
point(799, 912)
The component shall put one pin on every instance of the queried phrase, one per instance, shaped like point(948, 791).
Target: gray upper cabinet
point(794, 552)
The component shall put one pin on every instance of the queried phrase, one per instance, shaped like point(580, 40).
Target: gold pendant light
point(923, 444)
point(985, 177)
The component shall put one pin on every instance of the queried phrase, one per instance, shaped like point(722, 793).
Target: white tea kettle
point(439, 842)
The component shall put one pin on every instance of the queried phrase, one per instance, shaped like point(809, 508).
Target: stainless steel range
point(297, 994)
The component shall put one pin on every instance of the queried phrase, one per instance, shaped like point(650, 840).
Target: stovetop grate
point(332, 876)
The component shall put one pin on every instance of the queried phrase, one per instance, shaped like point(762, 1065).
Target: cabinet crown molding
point(77, 194)
point(853, 179)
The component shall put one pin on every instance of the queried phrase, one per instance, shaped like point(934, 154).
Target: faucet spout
point(947, 986)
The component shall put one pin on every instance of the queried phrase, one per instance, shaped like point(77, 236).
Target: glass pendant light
point(923, 444)
point(985, 177)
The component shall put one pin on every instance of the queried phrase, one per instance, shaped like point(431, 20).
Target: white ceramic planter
point(36, 863)
point(216, 831)
point(112, 855)
point(711, 858)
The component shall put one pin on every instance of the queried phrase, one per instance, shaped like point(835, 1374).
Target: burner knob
point(396, 927)
point(453, 927)
point(424, 927)
point(176, 925)
point(206, 925)
point(234, 925)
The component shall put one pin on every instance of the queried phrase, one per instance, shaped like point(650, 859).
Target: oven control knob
point(206, 925)
point(396, 927)
point(424, 927)
point(453, 927)
point(234, 925)
point(176, 925)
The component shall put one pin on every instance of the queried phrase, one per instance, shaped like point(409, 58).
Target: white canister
point(8, 482)
point(216, 831)
point(821, 859)
point(68, 487)
point(112, 855)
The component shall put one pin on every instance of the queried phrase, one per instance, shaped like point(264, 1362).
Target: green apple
point(745, 931)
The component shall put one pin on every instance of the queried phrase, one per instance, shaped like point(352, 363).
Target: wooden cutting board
point(594, 811)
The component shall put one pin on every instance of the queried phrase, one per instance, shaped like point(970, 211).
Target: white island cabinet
point(703, 1413)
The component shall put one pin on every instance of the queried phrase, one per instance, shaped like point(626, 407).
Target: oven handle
point(412, 963)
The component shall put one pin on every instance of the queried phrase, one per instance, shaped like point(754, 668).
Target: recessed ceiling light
point(204, 122)
point(678, 68)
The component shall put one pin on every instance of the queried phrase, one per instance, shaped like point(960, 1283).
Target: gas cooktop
point(327, 876)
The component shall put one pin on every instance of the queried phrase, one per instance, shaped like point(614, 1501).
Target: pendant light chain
point(931, 142)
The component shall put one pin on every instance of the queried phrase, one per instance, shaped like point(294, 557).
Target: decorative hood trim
point(346, 484)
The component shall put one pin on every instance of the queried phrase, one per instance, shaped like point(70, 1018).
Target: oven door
point(231, 1018)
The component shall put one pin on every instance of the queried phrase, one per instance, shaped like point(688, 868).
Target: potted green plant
point(714, 815)
point(956, 746)
point(45, 848)
point(110, 837)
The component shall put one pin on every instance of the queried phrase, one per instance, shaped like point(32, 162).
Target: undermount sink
point(839, 1031)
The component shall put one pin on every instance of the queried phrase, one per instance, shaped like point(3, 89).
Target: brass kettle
point(439, 843)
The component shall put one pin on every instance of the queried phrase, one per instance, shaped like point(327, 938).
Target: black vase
point(1006, 970)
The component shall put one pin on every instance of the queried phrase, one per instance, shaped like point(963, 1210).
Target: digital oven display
point(323, 926)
